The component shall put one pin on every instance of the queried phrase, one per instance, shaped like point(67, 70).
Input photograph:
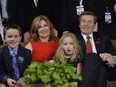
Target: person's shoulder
point(78, 35)
point(100, 34)
point(25, 52)
point(24, 49)
point(3, 49)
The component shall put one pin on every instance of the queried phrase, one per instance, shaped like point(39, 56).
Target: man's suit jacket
point(102, 42)
point(94, 70)
point(23, 60)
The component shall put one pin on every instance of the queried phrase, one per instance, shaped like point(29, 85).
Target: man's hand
point(109, 58)
point(105, 56)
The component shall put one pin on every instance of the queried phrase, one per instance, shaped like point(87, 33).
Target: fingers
point(21, 82)
point(105, 56)
point(109, 58)
point(11, 82)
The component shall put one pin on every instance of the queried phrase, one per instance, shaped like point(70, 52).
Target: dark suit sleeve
point(3, 75)
point(24, 59)
point(28, 60)
point(109, 46)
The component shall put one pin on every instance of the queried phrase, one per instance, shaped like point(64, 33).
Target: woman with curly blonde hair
point(69, 50)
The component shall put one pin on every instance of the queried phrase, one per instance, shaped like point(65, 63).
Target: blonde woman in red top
point(44, 43)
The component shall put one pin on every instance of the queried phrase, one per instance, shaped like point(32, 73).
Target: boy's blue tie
point(15, 67)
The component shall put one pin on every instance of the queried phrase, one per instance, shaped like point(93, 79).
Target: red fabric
point(44, 51)
point(88, 46)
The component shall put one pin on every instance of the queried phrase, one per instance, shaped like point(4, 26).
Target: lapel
point(20, 56)
point(20, 51)
point(82, 43)
point(97, 42)
point(7, 57)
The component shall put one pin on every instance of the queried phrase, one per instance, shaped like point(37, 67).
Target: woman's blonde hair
point(60, 55)
point(33, 30)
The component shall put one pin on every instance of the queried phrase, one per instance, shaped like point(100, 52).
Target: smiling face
point(87, 24)
point(43, 29)
point(12, 38)
point(68, 46)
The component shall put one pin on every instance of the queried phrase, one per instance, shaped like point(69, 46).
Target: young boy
point(14, 58)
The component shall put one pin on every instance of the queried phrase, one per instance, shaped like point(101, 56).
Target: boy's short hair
point(13, 26)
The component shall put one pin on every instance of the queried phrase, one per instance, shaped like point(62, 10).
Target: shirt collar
point(84, 36)
point(12, 51)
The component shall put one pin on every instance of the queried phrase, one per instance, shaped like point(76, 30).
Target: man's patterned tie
point(88, 45)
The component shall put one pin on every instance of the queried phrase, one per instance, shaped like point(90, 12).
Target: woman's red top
point(43, 51)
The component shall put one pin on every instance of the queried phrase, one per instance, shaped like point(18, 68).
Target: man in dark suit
point(12, 68)
point(99, 52)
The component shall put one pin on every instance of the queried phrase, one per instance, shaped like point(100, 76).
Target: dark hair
point(88, 13)
point(13, 26)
